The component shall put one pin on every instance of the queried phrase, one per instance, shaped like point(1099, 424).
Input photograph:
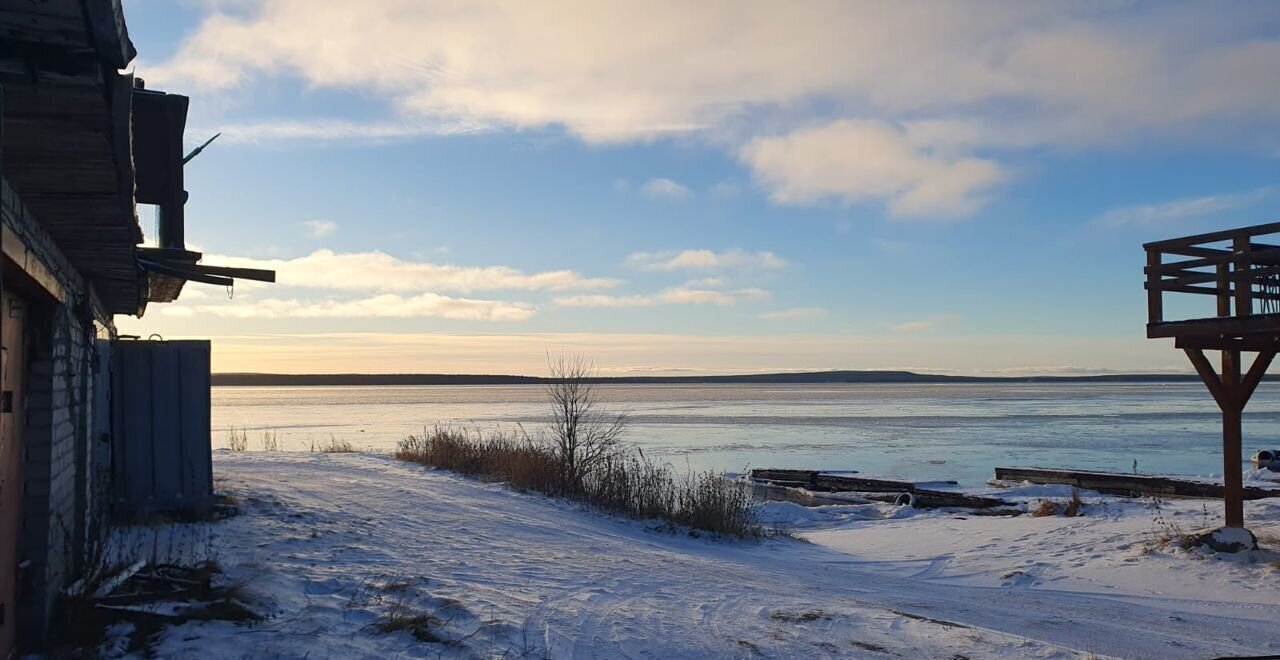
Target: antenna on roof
point(196, 152)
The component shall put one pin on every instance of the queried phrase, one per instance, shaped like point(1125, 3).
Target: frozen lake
point(955, 431)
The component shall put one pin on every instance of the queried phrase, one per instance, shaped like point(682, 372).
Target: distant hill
point(797, 377)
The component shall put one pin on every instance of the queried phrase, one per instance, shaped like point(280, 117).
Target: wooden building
point(1220, 292)
point(81, 146)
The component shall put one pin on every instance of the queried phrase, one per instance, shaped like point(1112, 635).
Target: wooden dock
point(1119, 483)
point(824, 482)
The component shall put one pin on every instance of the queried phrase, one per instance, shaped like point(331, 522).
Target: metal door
point(12, 366)
point(161, 438)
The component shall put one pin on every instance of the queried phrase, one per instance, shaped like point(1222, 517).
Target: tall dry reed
point(626, 482)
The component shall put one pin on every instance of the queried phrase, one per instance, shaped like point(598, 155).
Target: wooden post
point(1242, 280)
point(1155, 297)
point(1232, 406)
point(1224, 286)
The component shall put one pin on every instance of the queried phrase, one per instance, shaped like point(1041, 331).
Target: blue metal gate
point(161, 458)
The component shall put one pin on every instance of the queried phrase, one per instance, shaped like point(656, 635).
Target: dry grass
point(1072, 508)
point(270, 441)
point(626, 482)
point(402, 618)
point(333, 445)
point(1045, 509)
point(237, 439)
point(1074, 505)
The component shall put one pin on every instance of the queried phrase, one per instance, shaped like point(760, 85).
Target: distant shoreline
point(808, 377)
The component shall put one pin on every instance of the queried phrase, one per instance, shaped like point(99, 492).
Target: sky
point(715, 186)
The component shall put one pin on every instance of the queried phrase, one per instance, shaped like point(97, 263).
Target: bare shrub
point(582, 457)
point(237, 439)
point(583, 435)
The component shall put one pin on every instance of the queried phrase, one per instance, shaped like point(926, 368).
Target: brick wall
point(55, 507)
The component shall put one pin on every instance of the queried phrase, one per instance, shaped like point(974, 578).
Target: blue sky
point(705, 187)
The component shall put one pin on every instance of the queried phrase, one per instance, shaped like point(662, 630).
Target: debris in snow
point(1226, 539)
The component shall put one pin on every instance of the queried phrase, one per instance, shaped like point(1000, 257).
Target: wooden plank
point(1258, 324)
point(1243, 297)
point(1214, 237)
point(17, 251)
point(257, 274)
point(1269, 256)
point(794, 476)
point(1248, 344)
point(1225, 290)
point(1119, 483)
point(839, 483)
point(863, 484)
point(936, 499)
point(1256, 274)
point(1155, 301)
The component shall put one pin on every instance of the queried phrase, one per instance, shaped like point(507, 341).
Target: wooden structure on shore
point(1119, 483)
point(1240, 272)
point(824, 482)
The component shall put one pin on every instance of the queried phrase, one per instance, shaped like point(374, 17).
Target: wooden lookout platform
point(1232, 282)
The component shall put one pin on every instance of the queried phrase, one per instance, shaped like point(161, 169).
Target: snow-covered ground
point(328, 545)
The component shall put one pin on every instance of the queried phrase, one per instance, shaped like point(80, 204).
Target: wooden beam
point(185, 273)
point(1209, 376)
point(1256, 371)
point(1216, 236)
point(1258, 324)
point(1155, 301)
point(1172, 287)
point(1232, 480)
point(1243, 291)
point(257, 274)
point(1121, 483)
point(17, 251)
point(1249, 344)
point(1172, 268)
point(1256, 274)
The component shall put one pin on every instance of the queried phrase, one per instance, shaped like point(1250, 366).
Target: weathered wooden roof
point(67, 134)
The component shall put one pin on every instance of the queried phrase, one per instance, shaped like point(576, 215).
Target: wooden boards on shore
point(818, 481)
point(1119, 483)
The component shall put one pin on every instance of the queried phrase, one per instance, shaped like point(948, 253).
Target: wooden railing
point(1242, 273)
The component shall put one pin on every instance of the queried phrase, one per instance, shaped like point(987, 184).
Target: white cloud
point(857, 161)
point(668, 65)
point(381, 272)
point(320, 228)
point(735, 258)
point(388, 305)
point(673, 296)
point(915, 326)
point(961, 78)
point(665, 189)
point(1178, 209)
point(795, 313)
point(314, 130)
point(922, 325)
